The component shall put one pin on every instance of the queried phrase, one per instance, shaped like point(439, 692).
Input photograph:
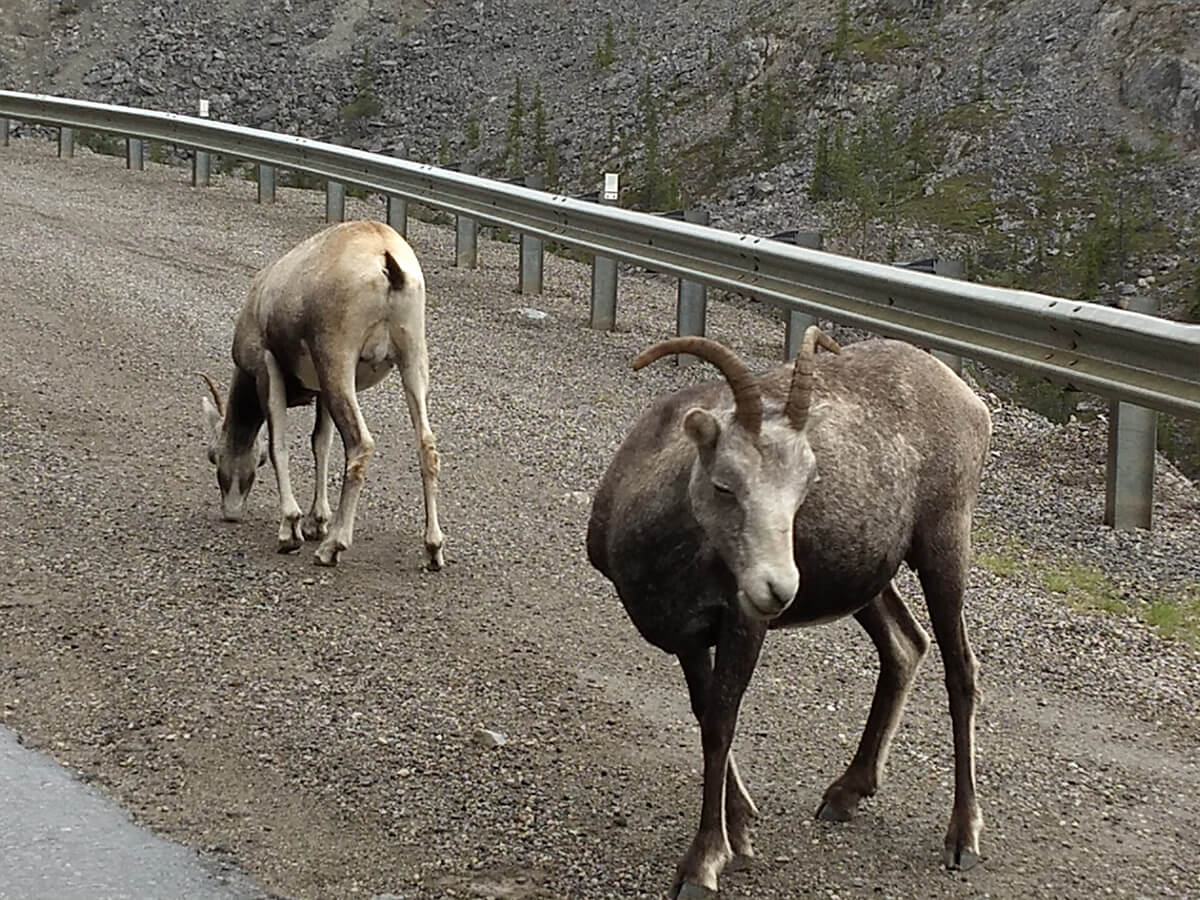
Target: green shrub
point(101, 142)
point(606, 50)
point(365, 104)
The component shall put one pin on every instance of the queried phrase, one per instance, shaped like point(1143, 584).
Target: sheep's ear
point(212, 417)
point(702, 428)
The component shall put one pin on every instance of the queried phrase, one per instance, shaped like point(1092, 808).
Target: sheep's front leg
point(740, 811)
point(316, 524)
point(738, 646)
point(273, 397)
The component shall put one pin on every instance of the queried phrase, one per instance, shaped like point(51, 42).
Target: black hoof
point(827, 812)
point(327, 558)
point(959, 859)
point(741, 862)
point(314, 532)
point(689, 890)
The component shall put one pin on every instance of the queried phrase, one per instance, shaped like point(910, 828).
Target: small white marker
point(611, 180)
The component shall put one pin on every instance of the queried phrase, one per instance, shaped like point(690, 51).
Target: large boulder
point(1167, 88)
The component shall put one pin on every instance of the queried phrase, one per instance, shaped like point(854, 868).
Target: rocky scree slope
point(727, 99)
point(1052, 144)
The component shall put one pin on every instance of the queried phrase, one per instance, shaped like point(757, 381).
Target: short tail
point(394, 273)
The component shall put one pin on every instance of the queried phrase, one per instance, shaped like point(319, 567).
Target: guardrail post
point(335, 201)
point(466, 233)
point(266, 183)
point(397, 210)
point(950, 268)
point(135, 154)
point(466, 242)
point(201, 160)
point(1132, 441)
point(691, 305)
point(604, 269)
point(66, 142)
point(397, 214)
point(529, 277)
point(798, 322)
point(3, 131)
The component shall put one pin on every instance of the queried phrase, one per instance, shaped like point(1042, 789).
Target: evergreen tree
point(660, 191)
point(841, 38)
point(821, 187)
point(735, 116)
point(540, 143)
point(512, 141)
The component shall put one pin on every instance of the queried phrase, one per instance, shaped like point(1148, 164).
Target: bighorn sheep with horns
point(331, 317)
point(791, 499)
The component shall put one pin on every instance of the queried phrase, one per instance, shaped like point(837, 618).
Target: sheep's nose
point(782, 595)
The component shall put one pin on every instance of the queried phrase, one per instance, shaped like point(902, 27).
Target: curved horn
point(746, 396)
point(212, 387)
point(800, 395)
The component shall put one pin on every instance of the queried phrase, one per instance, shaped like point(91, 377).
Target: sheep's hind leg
point(901, 642)
point(944, 596)
point(738, 645)
point(414, 373)
point(315, 525)
point(360, 446)
point(273, 397)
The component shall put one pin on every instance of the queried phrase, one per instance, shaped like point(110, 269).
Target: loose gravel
point(318, 728)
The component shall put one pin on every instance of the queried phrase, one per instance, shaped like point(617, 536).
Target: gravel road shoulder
point(318, 726)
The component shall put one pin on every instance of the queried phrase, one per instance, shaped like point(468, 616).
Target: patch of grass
point(875, 47)
point(999, 564)
point(1001, 557)
point(1086, 588)
point(981, 533)
point(1178, 619)
point(974, 117)
point(1083, 587)
point(959, 203)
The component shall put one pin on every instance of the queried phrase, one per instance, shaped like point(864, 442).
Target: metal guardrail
point(1117, 353)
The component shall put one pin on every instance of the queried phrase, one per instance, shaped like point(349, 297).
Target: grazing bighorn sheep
point(791, 499)
point(330, 318)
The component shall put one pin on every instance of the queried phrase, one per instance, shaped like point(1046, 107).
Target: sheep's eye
point(722, 490)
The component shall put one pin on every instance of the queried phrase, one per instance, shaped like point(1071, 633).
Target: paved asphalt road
point(60, 839)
